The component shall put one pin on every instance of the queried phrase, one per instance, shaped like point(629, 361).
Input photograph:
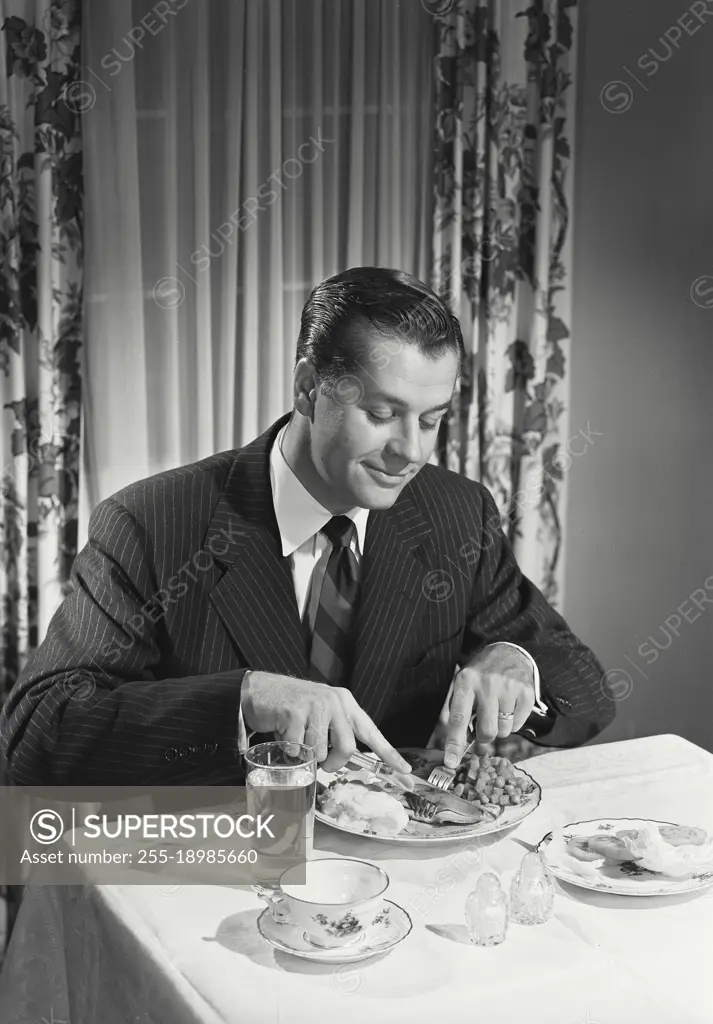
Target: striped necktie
point(332, 635)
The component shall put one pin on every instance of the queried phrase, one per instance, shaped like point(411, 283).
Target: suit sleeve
point(506, 606)
point(89, 707)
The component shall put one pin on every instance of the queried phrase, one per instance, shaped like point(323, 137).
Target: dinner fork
point(443, 777)
point(424, 810)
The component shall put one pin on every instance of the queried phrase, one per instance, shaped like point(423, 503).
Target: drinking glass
point(281, 779)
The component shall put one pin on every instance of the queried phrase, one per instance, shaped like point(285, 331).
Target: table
point(114, 954)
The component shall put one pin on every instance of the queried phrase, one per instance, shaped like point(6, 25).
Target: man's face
point(378, 427)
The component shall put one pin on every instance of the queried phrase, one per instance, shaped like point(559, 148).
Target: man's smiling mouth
point(382, 474)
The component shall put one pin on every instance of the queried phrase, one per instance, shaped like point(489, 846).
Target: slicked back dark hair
point(391, 302)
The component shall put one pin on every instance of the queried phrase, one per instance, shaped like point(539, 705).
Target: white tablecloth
point(114, 954)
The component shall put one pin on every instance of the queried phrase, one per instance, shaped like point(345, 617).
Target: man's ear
point(305, 388)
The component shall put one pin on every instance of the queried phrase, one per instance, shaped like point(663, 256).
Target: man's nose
point(406, 442)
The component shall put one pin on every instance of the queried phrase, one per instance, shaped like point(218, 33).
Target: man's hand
point(318, 715)
point(498, 679)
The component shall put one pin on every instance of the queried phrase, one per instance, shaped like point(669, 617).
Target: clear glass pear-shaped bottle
point(532, 891)
point(486, 912)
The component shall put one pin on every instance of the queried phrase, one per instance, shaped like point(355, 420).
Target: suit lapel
point(392, 599)
point(255, 598)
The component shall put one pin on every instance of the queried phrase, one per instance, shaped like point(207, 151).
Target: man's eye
point(388, 419)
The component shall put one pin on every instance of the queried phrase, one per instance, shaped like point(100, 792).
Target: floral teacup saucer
point(394, 924)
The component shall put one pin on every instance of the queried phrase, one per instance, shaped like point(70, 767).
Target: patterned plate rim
point(691, 884)
point(455, 832)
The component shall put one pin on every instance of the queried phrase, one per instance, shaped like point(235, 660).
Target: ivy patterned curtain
point(40, 317)
point(505, 108)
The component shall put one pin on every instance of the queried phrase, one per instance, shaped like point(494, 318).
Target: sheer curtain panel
point(237, 152)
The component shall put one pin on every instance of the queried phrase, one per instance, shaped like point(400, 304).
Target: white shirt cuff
point(244, 736)
point(242, 733)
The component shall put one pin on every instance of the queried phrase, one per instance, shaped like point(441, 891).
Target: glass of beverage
point(281, 779)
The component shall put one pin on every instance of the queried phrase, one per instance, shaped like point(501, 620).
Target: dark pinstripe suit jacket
point(182, 586)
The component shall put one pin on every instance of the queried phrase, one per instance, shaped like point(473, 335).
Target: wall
point(639, 520)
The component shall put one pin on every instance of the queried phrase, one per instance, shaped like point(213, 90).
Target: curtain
point(238, 152)
point(40, 317)
point(502, 257)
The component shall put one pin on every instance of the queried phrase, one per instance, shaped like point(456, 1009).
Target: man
point(322, 584)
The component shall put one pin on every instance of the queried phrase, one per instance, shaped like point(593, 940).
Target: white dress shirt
point(300, 518)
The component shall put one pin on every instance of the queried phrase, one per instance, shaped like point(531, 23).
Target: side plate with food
point(630, 856)
point(498, 795)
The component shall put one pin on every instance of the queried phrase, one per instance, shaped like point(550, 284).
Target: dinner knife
point(371, 762)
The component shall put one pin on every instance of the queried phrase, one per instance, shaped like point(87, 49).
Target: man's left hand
point(498, 680)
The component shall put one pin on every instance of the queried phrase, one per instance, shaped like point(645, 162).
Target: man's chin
point(379, 498)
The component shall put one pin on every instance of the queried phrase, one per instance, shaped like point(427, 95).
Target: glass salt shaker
point(532, 893)
point(486, 912)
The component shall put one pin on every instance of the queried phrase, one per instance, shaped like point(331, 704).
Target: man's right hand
point(316, 714)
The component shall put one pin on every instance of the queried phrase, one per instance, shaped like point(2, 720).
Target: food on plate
point(674, 835)
point(391, 804)
point(645, 846)
point(610, 847)
point(683, 835)
point(485, 780)
point(579, 848)
point(362, 805)
point(449, 809)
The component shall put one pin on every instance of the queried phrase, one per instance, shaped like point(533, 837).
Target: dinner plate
point(625, 879)
point(422, 835)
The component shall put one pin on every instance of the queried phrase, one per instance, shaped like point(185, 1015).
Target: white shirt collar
point(299, 515)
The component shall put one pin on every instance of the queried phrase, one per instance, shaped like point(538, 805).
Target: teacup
point(339, 900)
